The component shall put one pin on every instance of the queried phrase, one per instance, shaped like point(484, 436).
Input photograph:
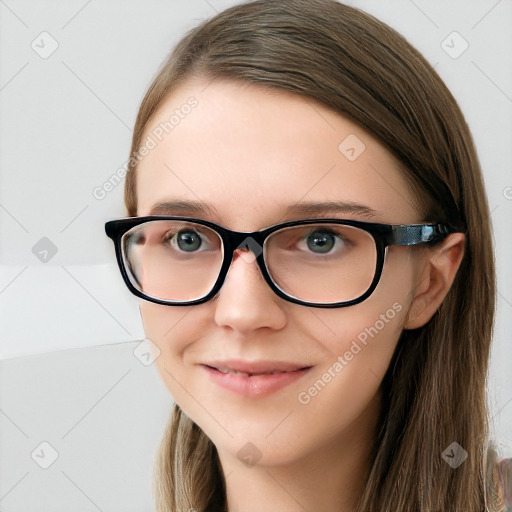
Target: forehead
point(250, 152)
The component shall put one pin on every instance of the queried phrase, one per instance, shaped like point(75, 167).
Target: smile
point(244, 374)
point(253, 383)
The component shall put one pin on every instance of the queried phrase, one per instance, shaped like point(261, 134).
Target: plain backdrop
point(74, 396)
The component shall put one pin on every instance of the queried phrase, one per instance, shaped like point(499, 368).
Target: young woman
point(309, 232)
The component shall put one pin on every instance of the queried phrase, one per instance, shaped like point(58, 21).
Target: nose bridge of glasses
point(249, 242)
point(247, 246)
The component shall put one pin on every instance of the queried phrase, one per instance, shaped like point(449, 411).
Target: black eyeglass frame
point(384, 235)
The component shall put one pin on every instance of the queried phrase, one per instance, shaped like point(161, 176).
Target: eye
point(321, 241)
point(188, 241)
point(327, 241)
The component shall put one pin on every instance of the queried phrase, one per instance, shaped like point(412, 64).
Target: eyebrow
point(190, 208)
point(331, 207)
point(311, 209)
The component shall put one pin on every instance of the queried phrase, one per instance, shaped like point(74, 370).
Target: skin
point(252, 152)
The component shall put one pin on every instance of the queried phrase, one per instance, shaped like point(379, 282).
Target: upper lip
point(254, 367)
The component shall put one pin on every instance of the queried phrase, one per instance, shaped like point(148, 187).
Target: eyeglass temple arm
point(419, 234)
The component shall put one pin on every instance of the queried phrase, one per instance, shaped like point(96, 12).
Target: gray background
point(68, 328)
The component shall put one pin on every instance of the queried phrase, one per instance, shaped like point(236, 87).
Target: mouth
point(254, 379)
point(253, 374)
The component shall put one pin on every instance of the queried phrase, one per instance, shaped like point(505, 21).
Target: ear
point(438, 272)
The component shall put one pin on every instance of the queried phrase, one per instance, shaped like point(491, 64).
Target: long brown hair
point(434, 389)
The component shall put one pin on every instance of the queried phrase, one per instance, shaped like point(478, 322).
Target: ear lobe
point(438, 272)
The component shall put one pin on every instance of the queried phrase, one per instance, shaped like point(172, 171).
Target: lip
point(260, 381)
point(253, 367)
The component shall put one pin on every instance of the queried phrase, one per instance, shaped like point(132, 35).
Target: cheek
point(163, 326)
point(158, 321)
point(365, 335)
point(171, 328)
point(358, 345)
point(371, 328)
point(175, 331)
point(358, 352)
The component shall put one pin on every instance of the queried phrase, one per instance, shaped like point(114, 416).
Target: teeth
point(243, 374)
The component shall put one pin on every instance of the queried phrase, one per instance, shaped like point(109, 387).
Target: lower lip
point(256, 385)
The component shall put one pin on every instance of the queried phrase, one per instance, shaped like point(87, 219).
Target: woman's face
point(251, 153)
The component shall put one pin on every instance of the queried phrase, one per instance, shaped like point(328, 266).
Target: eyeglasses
point(180, 261)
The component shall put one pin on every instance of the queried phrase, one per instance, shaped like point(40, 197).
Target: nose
point(246, 302)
